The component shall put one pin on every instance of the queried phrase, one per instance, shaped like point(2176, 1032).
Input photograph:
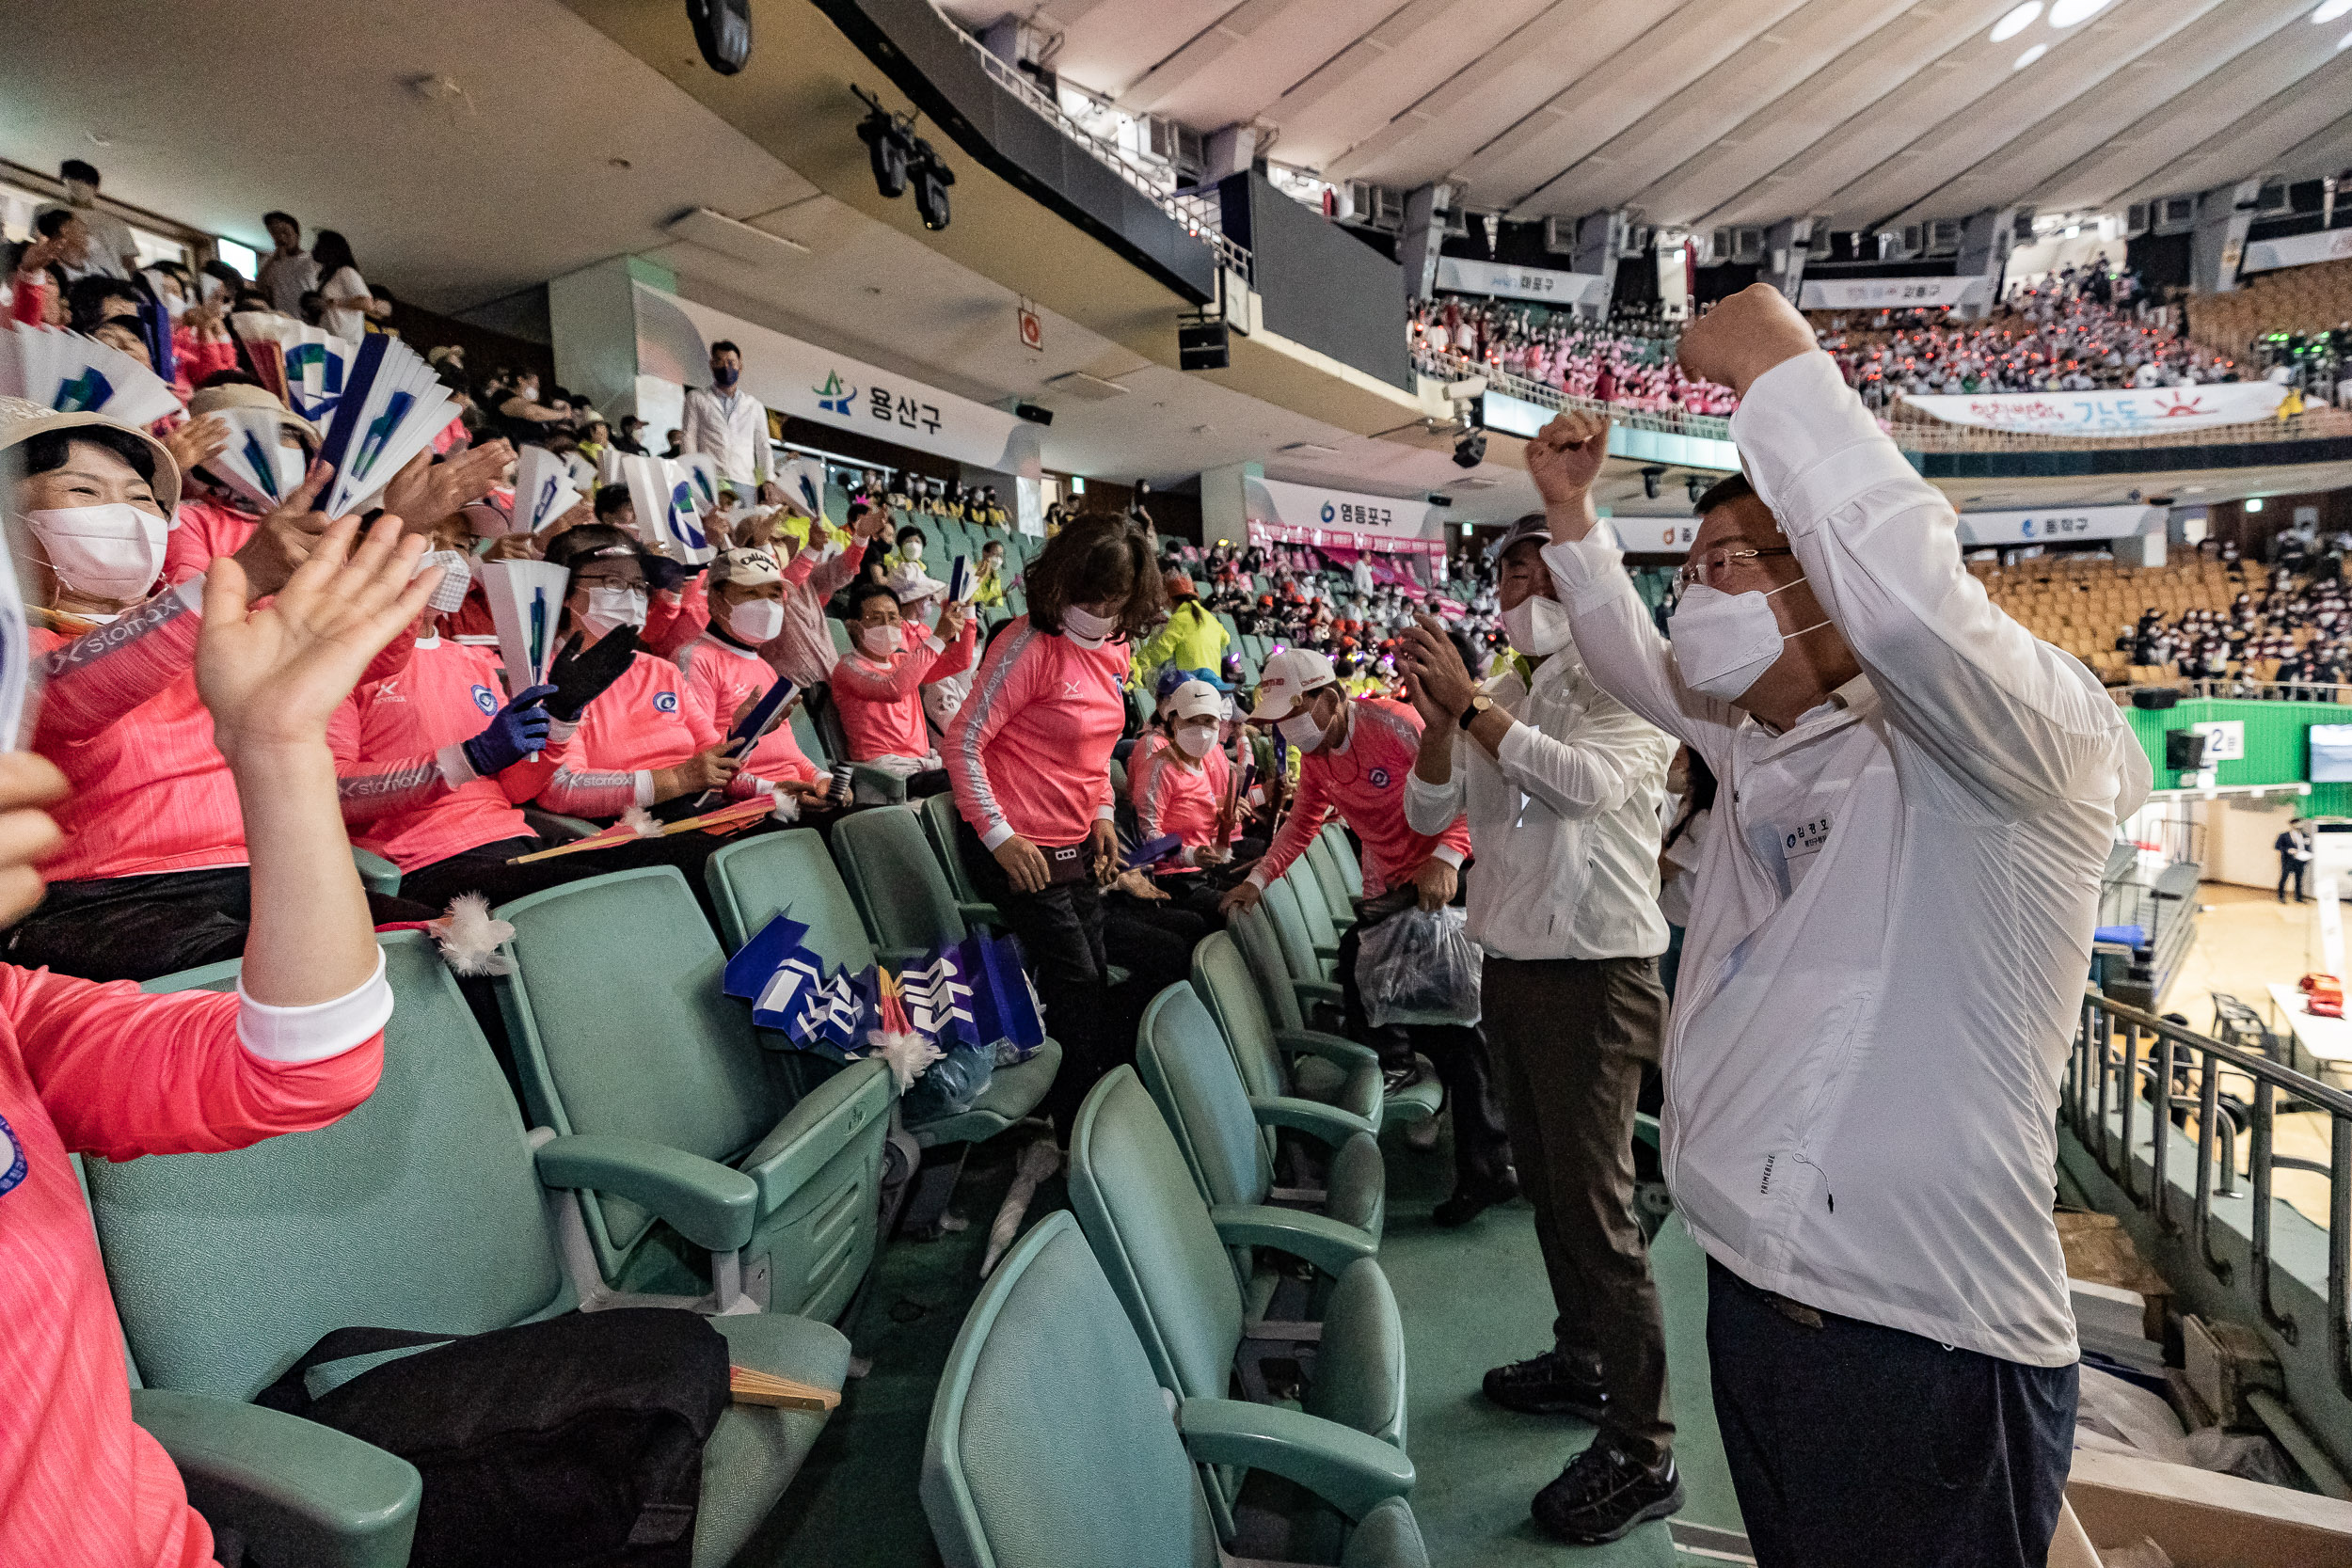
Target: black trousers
point(1480, 1152)
point(1856, 1446)
point(141, 928)
point(2291, 869)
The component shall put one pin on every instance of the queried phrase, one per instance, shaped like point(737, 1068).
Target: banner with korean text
point(1462, 276)
point(2139, 411)
point(1285, 514)
point(1893, 293)
point(2058, 525)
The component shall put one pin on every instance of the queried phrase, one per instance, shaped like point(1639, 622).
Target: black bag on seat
point(576, 1442)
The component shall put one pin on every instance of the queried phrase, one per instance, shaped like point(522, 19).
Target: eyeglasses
point(1704, 570)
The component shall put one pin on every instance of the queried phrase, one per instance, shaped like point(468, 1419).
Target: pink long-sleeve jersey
point(723, 677)
point(1362, 778)
point(1169, 797)
point(1029, 751)
point(651, 718)
point(881, 701)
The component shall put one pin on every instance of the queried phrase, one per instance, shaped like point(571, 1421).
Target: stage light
point(723, 31)
point(1649, 482)
point(887, 145)
point(931, 179)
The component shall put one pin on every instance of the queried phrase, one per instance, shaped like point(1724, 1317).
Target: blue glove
point(519, 729)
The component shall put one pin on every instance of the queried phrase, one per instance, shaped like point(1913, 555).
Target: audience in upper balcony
point(111, 249)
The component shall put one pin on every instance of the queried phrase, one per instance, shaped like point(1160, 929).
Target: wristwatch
point(1478, 704)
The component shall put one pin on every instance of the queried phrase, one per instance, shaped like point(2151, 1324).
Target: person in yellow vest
point(1192, 640)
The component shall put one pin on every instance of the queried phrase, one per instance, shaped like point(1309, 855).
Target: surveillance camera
point(1468, 391)
point(1649, 482)
point(1470, 449)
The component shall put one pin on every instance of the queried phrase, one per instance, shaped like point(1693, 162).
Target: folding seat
point(1165, 1251)
point(1344, 855)
point(1051, 1444)
point(939, 826)
point(620, 1027)
point(1285, 1060)
point(1310, 941)
point(1227, 1134)
point(424, 1210)
point(791, 874)
point(1324, 867)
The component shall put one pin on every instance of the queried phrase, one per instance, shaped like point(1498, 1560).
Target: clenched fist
point(1743, 337)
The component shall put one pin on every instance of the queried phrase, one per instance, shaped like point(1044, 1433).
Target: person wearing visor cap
point(1883, 974)
point(1355, 755)
point(1562, 785)
point(213, 518)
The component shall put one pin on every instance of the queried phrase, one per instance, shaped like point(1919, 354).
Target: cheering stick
point(747, 1387)
point(755, 723)
point(738, 814)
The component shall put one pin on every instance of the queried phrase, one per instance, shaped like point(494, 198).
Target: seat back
point(1280, 904)
point(1183, 1061)
point(804, 735)
point(939, 826)
point(1222, 979)
point(754, 879)
point(1261, 950)
point(619, 1026)
point(1150, 1229)
point(1343, 856)
point(1321, 930)
point(1050, 1445)
point(1337, 903)
point(419, 1210)
point(899, 885)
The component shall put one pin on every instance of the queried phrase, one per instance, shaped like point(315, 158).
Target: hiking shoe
point(1471, 1199)
point(1549, 1384)
point(1395, 1080)
point(1604, 1492)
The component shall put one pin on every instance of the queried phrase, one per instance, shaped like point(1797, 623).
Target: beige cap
point(1287, 678)
point(214, 400)
point(20, 422)
point(745, 568)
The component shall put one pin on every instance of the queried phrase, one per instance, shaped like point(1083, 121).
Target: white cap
point(1195, 700)
point(1288, 676)
point(745, 568)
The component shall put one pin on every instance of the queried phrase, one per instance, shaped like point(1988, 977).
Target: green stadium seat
point(1300, 950)
point(1322, 866)
point(1051, 1444)
point(1164, 1249)
point(376, 874)
point(791, 873)
point(1275, 1061)
point(1227, 1133)
point(939, 825)
point(840, 633)
point(620, 1029)
point(421, 1209)
point(1343, 856)
point(900, 887)
point(804, 732)
point(1323, 931)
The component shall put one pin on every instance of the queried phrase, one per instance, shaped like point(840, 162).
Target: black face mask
point(725, 375)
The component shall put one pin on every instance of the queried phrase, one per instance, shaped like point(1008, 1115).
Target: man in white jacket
point(727, 425)
point(1562, 783)
point(1885, 960)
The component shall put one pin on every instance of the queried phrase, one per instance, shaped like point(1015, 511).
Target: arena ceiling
point(1708, 112)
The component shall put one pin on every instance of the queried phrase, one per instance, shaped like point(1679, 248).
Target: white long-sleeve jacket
point(1564, 823)
point(1891, 927)
point(732, 432)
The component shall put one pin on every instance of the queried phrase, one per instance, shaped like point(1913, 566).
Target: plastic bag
point(1420, 967)
point(950, 1085)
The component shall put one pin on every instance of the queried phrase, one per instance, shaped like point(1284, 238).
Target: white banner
point(1655, 536)
point(1893, 293)
point(1311, 514)
point(2298, 250)
point(1464, 277)
point(2058, 525)
point(804, 381)
point(2135, 412)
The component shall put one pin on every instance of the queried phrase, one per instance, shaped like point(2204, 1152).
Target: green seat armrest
point(1353, 1471)
point(981, 915)
point(900, 958)
point(706, 1203)
point(1315, 1042)
point(297, 1492)
point(891, 786)
point(1644, 1129)
point(1311, 992)
point(1328, 951)
point(1326, 1124)
point(823, 1123)
point(376, 874)
point(1328, 1243)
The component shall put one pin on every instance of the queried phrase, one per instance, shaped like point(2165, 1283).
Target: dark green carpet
point(1471, 1298)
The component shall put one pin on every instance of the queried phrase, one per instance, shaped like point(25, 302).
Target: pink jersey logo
point(484, 699)
point(665, 702)
point(1379, 778)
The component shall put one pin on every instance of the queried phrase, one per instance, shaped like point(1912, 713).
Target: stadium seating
point(939, 826)
point(1108, 1478)
point(666, 1059)
point(901, 885)
point(1343, 856)
point(1275, 1063)
point(2082, 604)
point(421, 1209)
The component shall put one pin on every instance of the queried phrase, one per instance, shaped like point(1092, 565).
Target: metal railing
point(1457, 367)
point(2232, 688)
point(1201, 215)
point(2134, 1083)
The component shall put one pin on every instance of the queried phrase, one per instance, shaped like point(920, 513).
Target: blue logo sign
point(1327, 513)
point(484, 699)
point(665, 702)
point(15, 1151)
point(836, 396)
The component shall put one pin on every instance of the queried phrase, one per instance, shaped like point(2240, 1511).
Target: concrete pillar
point(1786, 245)
point(1596, 252)
point(1422, 238)
point(592, 317)
point(1223, 507)
point(2223, 215)
point(1986, 239)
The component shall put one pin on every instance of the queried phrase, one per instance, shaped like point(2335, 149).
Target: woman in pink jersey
point(1029, 756)
point(724, 668)
point(106, 1072)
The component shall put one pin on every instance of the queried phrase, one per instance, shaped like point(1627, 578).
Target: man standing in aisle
point(1354, 756)
point(2295, 857)
point(727, 425)
point(1883, 971)
point(1562, 782)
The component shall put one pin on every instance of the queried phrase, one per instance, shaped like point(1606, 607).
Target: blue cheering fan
point(304, 365)
point(256, 462)
point(392, 408)
point(68, 373)
point(960, 580)
point(1151, 852)
point(663, 499)
point(702, 476)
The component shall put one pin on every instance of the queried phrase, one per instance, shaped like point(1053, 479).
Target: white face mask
point(456, 573)
point(1195, 740)
point(911, 550)
point(610, 609)
point(108, 552)
point(1301, 729)
point(755, 620)
point(1723, 642)
point(1538, 626)
point(883, 641)
point(1084, 628)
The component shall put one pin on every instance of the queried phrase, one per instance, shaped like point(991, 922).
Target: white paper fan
point(68, 373)
point(391, 407)
point(543, 489)
point(257, 464)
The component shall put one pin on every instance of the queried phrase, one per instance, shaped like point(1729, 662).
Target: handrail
point(1451, 366)
point(1201, 215)
point(2122, 1057)
point(2231, 689)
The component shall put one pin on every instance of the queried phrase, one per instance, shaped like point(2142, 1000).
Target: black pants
point(2291, 869)
point(1481, 1153)
point(1063, 943)
point(1857, 1445)
point(1571, 1038)
point(141, 927)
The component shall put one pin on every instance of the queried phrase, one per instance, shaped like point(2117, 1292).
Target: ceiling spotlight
point(2030, 56)
point(2331, 10)
point(2016, 22)
point(931, 179)
point(1649, 482)
point(1471, 450)
point(889, 143)
point(723, 31)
